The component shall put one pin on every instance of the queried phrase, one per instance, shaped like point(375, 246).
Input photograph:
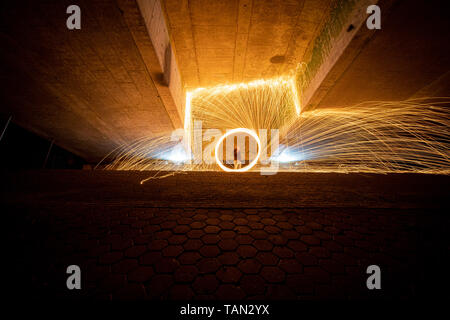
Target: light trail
point(376, 136)
point(222, 139)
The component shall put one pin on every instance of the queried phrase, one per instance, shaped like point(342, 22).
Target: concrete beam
point(407, 58)
point(343, 49)
point(158, 54)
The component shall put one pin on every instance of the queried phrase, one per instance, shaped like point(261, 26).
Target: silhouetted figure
point(237, 158)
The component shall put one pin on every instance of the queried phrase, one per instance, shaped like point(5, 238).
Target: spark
point(234, 131)
point(374, 136)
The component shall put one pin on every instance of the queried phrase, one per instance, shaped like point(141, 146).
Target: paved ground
point(135, 241)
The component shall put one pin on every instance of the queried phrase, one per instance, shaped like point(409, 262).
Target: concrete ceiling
point(123, 75)
point(408, 58)
point(88, 89)
point(230, 41)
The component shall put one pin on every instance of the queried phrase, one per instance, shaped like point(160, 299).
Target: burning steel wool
point(376, 137)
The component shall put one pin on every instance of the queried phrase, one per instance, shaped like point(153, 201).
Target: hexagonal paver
point(303, 230)
point(125, 265)
point(272, 229)
point(242, 229)
point(150, 258)
point(226, 225)
point(290, 234)
point(229, 258)
point(314, 225)
point(185, 273)
point(200, 217)
point(166, 234)
point(226, 217)
point(280, 217)
point(184, 221)
point(135, 251)
point(192, 244)
point(211, 238)
point(213, 221)
point(172, 251)
point(255, 225)
point(290, 266)
point(158, 285)
point(306, 259)
point(253, 285)
point(251, 266)
point(246, 251)
point(229, 274)
point(181, 229)
point(208, 265)
point(240, 222)
point(267, 258)
point(268, 221)
point(181, 292)
point(229, 292)
point(272, 274)
point(228, 244)
point(244, 239)
point(300, 284)
point(283, 252)
point(310, 240)
point(284, 225)
point(195, 234)
point(121, 244)
point(227, 234)
point(212, 229)
point(177, 239)
point(209, 251)
point(277, 240)
point(319, 252)
point(259, 234)
point(168, 225)
point(206, 284)
point(166, 265)
point(297, 246)
point(157, 245)
point(322, 235)
point(263, 245)
point(189, 257)
point(197, 225)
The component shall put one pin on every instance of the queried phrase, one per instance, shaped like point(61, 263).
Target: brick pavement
point(142, 252)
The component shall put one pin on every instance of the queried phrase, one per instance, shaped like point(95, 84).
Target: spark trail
point(375, 136)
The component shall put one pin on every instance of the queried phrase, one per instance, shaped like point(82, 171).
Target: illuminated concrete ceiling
point(91, 89)
point(408, 58)
point(240, 40)
point(123, 76)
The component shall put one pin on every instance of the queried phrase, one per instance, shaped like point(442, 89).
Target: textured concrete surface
point(90, 89)
point(407, 58)
point(220, 42)
point(133, 245)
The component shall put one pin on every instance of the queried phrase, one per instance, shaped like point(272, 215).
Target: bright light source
point(251, 164)
point(177, 155)
point(287, 155)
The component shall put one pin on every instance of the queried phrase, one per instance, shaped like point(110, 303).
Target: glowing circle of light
point(222, 138)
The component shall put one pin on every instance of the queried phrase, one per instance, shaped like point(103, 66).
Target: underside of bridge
point(342, 109)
